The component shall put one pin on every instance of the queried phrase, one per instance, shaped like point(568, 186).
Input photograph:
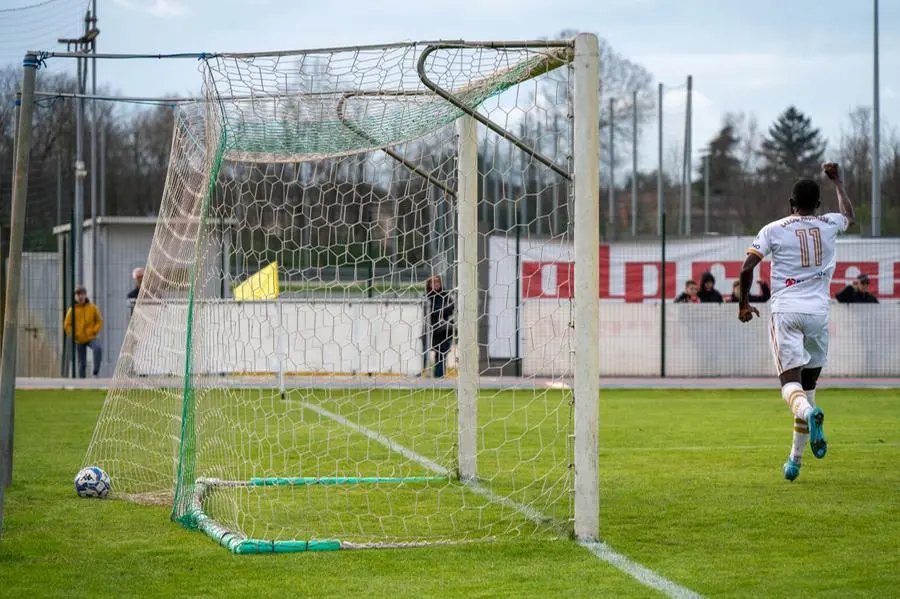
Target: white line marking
point(642, 574)
point(376, 436)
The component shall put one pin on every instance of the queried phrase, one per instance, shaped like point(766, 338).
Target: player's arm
point(845, 206)
point(745, 310)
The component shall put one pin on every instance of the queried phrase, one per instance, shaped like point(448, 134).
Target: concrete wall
point(290, 336)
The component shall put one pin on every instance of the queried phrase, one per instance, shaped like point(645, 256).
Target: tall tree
point(724, 165)
point(856, 160)
point(890, 186)
point(793, 147)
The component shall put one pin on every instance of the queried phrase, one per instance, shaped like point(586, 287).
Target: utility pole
point(82, 45)
point(91, 25)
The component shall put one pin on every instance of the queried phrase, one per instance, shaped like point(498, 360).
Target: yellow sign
point(261, 286)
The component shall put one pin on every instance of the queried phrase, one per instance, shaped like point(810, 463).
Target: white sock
point(801, 436)
point(796, 399)
point(801, 432)
point(811, 397)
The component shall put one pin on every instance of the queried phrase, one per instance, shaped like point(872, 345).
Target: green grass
point(691, 487)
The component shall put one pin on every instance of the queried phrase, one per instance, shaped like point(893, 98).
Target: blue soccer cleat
point(791, 470)
point(817, 433)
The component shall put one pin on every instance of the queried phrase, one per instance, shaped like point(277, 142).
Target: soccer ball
point(92, 482)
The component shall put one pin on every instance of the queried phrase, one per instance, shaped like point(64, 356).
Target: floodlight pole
point(14, 275)
point(686, 172)
point(876, 135)
point(611, 209)
point(706, 160)
point(659, 164)
point(634, 163)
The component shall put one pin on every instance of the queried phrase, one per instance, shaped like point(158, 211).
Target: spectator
point(138, 275)
point(689, 295)
point(88, 324)
point(440, 309)
point(761, 298)
point(858, 292)
point(708, 292)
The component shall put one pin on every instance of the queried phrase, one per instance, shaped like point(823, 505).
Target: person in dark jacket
point(857, 293)
point(708, 293)
point(761, 298)
point(439, 312)
point(138, 275)
point(689, 295)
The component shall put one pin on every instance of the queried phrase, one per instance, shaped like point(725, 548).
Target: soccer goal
point(282, 384)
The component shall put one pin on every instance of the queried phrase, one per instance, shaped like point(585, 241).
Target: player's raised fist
point(832, 171)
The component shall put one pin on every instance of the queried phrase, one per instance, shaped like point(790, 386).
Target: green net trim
point(317, 125)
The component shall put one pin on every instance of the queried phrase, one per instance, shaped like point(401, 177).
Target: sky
point(753, 57)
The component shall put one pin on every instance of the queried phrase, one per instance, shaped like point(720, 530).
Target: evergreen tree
point(724, 166)
point(793, 147)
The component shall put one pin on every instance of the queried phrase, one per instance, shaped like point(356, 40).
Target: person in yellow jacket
point(88, 323)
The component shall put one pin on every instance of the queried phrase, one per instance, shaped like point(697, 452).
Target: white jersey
point(803, 260)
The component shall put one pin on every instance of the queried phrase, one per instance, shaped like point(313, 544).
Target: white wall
point(704, 340)
point(630, 273)
point(306, 336)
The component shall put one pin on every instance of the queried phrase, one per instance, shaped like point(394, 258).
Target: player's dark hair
point(805, 195)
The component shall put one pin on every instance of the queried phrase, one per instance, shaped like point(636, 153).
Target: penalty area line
point(641, 574)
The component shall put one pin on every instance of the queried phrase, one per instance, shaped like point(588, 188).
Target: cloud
point(745, 70)
point(676, 100)
point(156, 8)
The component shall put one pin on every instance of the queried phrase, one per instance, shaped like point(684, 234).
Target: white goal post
point(284, 382)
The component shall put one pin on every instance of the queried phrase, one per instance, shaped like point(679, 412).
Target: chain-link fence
point(710, 205)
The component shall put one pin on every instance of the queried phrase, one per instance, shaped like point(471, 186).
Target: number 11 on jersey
point(805, 235)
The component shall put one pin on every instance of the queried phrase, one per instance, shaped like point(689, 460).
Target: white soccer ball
point(92, 482)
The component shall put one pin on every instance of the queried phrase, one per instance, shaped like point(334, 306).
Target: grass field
point(691, 487)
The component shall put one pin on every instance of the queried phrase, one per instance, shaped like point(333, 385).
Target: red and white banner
point(630, 272)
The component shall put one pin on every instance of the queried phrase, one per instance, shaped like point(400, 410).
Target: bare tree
point(618, 78)
point(855, 152)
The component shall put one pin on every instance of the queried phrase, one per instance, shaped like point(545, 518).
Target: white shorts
point(798, 340)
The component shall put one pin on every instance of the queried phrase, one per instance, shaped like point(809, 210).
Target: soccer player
point(803, 261)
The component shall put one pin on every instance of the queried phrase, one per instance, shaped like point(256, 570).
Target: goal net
point(292, 376)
